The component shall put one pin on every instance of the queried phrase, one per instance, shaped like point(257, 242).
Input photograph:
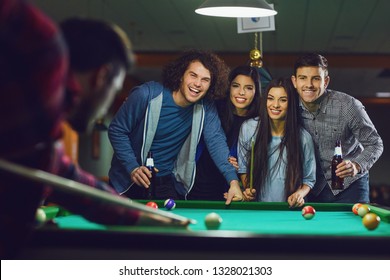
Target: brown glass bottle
point(337, 182)
point(150, 165)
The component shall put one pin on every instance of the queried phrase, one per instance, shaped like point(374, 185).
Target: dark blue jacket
point(132, 132)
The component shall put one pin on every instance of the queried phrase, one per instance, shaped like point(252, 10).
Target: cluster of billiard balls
point(212, 220)
point(169, 204)
point(370, 220)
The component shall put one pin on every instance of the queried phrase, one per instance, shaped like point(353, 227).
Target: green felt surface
point(261, 218)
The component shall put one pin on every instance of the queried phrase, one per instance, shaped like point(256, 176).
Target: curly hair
point(174, 71)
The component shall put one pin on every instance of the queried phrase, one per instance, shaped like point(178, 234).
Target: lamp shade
point(236, 8)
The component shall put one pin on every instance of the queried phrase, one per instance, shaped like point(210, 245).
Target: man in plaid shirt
point(329, 116)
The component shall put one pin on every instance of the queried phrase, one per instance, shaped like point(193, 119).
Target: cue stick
point(252, 158)
point(62, 184)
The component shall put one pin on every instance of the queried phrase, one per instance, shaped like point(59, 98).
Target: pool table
point(249, 230)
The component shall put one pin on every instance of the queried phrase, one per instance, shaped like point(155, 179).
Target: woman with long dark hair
point(275, 154)
point(240, 103)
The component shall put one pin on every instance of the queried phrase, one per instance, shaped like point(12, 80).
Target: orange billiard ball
point(356, 207)
point(152, 204)
point(363, 210)
point(371, 221)
point(308, 212)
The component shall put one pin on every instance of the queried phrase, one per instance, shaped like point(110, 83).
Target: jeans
point(358, 191)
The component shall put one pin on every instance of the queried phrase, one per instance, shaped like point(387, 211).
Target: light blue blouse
point(273, 190)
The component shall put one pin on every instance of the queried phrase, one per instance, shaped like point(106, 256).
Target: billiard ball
point(40, 217)
point(363, 210)
point(152, 204)
point(308, 212)
point(371, 221)
point(356, 207)
point(213, 221)
point(170, 204)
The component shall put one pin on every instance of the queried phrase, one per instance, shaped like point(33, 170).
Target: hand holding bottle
point(342, 168)
point(347, 168)
point(142, 176)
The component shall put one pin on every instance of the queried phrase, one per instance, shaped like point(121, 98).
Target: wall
point(380, 116)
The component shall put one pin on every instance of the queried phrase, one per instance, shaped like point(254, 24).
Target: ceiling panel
point(289, 27)
point(321, 21)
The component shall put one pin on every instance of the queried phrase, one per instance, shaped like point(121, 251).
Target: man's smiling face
point(310, 82)
point(194, 85)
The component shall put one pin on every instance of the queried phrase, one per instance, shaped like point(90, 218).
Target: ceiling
point(353, 34)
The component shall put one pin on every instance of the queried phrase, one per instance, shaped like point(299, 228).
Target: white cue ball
point(213, 221)
point(40, 217)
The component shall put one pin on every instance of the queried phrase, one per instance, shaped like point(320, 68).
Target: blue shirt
point(173, 128)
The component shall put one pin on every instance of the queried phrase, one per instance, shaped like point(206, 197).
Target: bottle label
point(149, 162)
point(337, 151)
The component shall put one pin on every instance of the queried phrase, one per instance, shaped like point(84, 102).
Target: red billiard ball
point(170, 204)
point(356, 207)
point(308, 212)
point(371, 221)
point(152, 204)
point(363, 210)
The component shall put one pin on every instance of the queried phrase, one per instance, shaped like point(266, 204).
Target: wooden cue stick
point(252, 158)
point(69, 186)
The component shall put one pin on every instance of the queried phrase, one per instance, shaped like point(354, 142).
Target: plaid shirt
point(101, 212)
point(33, 65)
point(341, 117)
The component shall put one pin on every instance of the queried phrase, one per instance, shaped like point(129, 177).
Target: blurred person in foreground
point(39, 89)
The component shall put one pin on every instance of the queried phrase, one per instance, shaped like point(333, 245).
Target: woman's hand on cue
point(249, 194)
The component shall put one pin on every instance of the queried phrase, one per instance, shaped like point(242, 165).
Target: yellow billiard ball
point(371, 221)
point(363, 210)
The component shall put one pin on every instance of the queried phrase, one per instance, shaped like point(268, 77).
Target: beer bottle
point(150, 166)
point(337, 182)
